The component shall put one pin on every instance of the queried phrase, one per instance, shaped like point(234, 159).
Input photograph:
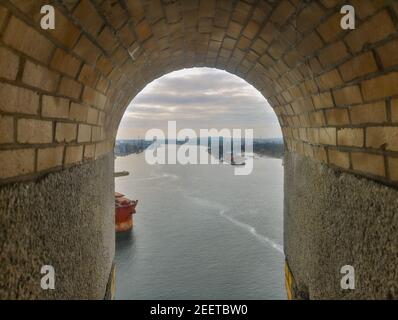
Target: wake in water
point(222, 209)
point(156, 177)
point(253, 231)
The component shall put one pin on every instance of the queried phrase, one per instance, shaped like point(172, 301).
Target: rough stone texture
point(103, 53)
point(65, 219)
point(333, 219)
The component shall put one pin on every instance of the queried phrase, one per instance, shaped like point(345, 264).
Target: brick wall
point(64, 91)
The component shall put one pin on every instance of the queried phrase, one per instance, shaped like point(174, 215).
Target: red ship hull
point(124, 210)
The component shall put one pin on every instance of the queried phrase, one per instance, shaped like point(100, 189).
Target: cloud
point(199, 98)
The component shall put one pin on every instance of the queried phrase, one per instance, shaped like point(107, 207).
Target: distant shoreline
point(272, 148)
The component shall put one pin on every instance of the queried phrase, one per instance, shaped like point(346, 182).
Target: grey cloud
point(200, 97)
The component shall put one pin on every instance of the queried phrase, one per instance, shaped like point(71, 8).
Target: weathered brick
point(244, 43)
point(27, 40)
point(395, 7)
point(380, 87)
point(89, 151)
point(101, 118)
point(350, 137)
point(126, 36)
point(376, 28)
point(394, 110)
point(87, 50)
point(320, 154)
point(205, 26)
point(368, 163)
point(78, 112)
point(234, 29)
point(312, 135)
point(207, 8)
point(359, 66)
point(337, 116)
point(328, 136)
point(283, 12)
point(65, 63)
point(241, 12)
point(136, 9)
point(6, 129)
point(311, 86)
point(382, 137)
point(3, 16)
point(19, 100)
point(323, 100)
point(318, 106)
point(309, 17)
point(310, 44)
point(107, 40)
point(369, 113)
point(53, 107)
point(70, 88)
point(331, 29)
point(102, 84)
point(117, 16)
point(308, 150)
point(94, 98)
point(88, 75)
point(84, 133)
point(393, 168)
point(96, 134)
point(292, 58)
point(347, 96)
point(30, 7)
point(65, 132)
point(73, 154)
point(333, 53)
point(88, 17)
point(121, 55)
point(329, 80)
point(65, 31)
point(339, 158)
point(48, 158)
point(92, 115)
point(365, 8)
point(17, 162)
point(9, 63)
point(102, 148)
point(385, 53)
point(251, 30)
point(38, 76)
point(315, 66)
point(266, 60)
point(143, 30)
point(34, 131)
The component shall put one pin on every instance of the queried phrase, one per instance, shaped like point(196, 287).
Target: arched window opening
point(201, 231)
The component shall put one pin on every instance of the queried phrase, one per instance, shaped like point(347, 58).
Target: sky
point(199, 98)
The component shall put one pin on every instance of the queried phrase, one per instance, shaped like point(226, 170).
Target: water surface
point(201, 232)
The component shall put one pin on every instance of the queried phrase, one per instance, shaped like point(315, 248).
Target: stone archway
point(64, 91)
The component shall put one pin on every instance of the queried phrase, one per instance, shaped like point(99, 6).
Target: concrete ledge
point(111, 285)
point(333, 219)
point(65, 219)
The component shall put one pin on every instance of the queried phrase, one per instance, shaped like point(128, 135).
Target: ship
point(237, 161)
point(124, 211)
